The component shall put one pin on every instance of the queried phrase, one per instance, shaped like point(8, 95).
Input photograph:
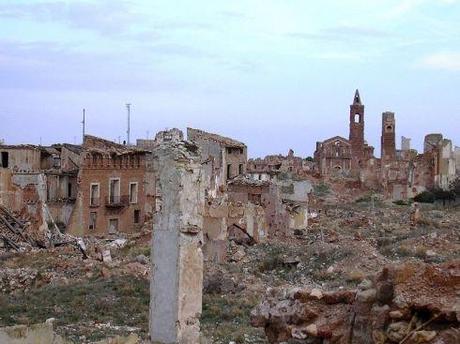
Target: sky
point(275, 74)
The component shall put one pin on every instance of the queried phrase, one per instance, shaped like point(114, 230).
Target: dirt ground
point(346, 242)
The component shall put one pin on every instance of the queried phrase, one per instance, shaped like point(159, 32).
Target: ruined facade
point(339, 156)
point(238, 205)
point(333, 156)
point(39, 183)
point(111, 189)
point(271, 165)
point(224, 158)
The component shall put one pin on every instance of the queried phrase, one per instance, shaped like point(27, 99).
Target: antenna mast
point(83, 122)
point(128, 132)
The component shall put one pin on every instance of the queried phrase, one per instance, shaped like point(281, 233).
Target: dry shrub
point(356, 276)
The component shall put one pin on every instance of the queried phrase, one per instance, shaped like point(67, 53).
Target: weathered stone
point(396, 315)
point(365, 284)
point(367, 296)
point(359, 317)
point(106, 256)
point(312, 330)
point(385, 292)
point(422, 336)
point(379, 337)
point(35, 334)
point(341, 296)
point(177, 271)
point(397, 331)
point(142, 259)
point(131, 339)
point(316, 294)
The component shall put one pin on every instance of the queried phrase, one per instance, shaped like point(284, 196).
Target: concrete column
point(177, 270)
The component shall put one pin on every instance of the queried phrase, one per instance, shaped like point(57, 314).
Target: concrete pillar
point(177, 259)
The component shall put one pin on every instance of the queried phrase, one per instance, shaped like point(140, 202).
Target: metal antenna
point(128, 132)
point(83, 122)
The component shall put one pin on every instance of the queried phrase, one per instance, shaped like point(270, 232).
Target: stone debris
point(409, 303)
point(106, 256)
point(45, 334)
point(39, 333)
point(17, 279)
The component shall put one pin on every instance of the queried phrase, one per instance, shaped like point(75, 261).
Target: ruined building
point(271, 165)
point(400, 174)
point(240, 207)
point(39, 183)
point(346, 157)
point(111, 189)
point(224, 158)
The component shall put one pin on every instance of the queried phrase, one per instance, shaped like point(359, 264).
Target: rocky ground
point(349, 242)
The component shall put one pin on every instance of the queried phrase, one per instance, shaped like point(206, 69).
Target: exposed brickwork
point(356, 136)
point(109, 170)
point(388, 142)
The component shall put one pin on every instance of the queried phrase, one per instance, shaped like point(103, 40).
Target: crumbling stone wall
point(388, 138)
point(264, 169)
point(405, 143)
point(223, 158)
point(334, 156)
point(411, 303)
point(23, 158)
point(22, 334)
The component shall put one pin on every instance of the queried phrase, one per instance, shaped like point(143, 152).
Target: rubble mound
point(16, 279)
point(408, 303)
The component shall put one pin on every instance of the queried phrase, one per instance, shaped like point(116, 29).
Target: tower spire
point(357, 98)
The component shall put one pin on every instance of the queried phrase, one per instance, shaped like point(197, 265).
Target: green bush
point(425, 197)
point(455, 187)
point(444, 195)
point(401, 202)
point(321, 189)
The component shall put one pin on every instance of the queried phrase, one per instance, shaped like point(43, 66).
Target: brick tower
point(357, 133)
point(388, 141)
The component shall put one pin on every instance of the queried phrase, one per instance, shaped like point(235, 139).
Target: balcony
point(116, 201)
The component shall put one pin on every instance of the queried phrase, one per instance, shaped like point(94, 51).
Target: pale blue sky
point(276, 74)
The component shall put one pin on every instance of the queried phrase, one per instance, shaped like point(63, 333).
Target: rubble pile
point(12, 231)
point(16, 279)
point(408, 303)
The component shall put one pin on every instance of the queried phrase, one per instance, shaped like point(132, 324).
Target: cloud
point(49, 66)
point(173, 49)
point(341, 33)
point(406, 6)
point(104, 16)
point(448, 61)
point(234, 15)
point(356, 31)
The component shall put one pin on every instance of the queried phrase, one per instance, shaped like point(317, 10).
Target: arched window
point(357, 118)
